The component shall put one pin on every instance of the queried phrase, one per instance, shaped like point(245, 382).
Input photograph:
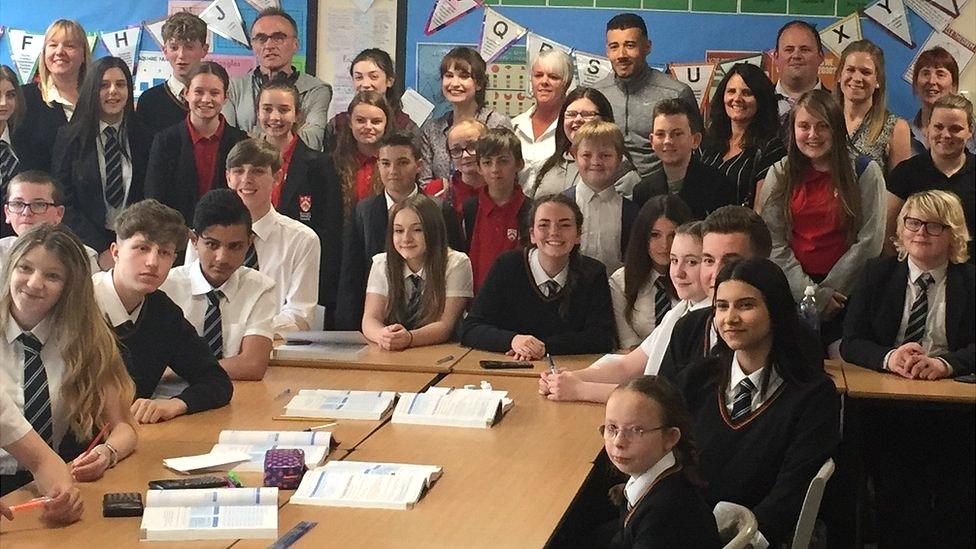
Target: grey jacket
point(240, 109)
point(633, 100)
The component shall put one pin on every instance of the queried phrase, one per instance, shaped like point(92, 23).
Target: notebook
point(338, 404)
point(476, 408)
point(219, 513)
point(321, 346)
point(315, 445)
point(365, 484)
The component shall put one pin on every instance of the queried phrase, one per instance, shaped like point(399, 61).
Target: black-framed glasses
point(611, 431)
point(458, 150)
point(36, 207)
point(585, 115)
point(932, 228)
point(276, 38)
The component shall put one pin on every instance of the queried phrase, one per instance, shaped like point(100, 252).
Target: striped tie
point(37, 398)
point(114, 189)
point(212, 325)
point(742, 403)
point(662, 301)
point(915, 330)
point(251, 259)
point(552, 287)
point(8, 163)
point(416, 289)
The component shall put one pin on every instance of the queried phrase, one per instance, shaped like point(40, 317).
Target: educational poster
point(152, 69)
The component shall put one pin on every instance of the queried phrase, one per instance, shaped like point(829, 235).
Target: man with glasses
point(274, 39)
point(33, 198)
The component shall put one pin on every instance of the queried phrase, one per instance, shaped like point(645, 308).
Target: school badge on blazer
point(305, 207)
point(512, 235)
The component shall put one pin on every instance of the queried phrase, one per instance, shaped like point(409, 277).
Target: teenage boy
point(607, 216)
point(634, 88)
point(184, 45)
point(364, 236)
point(282, 248)
point(34, 198)
point(797, 57)
point(231, 306)
point(462, 142)
point(676, 133)
point(150, 327)
point(496, 219)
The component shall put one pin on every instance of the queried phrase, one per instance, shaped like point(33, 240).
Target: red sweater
point(819, 235)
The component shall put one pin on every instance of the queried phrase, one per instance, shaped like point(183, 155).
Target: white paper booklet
point(365, 484)
point(322, 346)
point(477, 408)
point(214, 461)
point(337, 404)
point(220, 513)
point(315, 445)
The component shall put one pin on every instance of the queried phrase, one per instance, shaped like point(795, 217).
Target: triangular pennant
point(892, 17)
point(223, 17)
point(836, 37)
point(933, 16)
point(536, 44)
point(698, 77)
point(259, 5)
point(24, 50)
point(124, 44)
point(498, 33)
point(446, 12)
point(950, 7)
point(92, 38)
point(591, 68)
point(2, 29)
point(155, 29)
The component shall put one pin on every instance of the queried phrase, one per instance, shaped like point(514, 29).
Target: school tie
point(114, 189)
point(37, 397)
point(212, 325)
point(662, 301)
point(742, 403)
point(915, 330)
point(251, 259)
point(551, 287)
point(416, 288)
point(8, 163)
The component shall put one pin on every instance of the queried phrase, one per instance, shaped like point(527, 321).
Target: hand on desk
point(834, 305)
point(147, 410)
point(394, 338)
point(526, 347)
point(925, 367)
point(65, 506)
point(90, 466)
point(562, 385)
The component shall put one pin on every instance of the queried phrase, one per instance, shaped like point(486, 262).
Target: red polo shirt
point(819, 237)
point(205, 151)
point(457, 194)
point(364, 176)
point(496, 230)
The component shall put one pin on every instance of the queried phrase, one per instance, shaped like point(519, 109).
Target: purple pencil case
point(283, 468)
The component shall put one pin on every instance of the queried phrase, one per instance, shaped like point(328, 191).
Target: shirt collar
point(522, 124)
point(756, 377)
point(176, 87)
point(42, 331)
point(110, 302)
point(102, 125)
point(389, 199)
point(54, 95)
point(539, 274)
point(407, 272)
point(938, 273)
point(196, 137)
point(638, 486)
point(586, 193)
point(200, 286)
point(5, 135)
point(262, 227)
point(781, 92)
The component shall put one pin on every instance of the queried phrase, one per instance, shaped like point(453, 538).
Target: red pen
point(98, 438)
point(36, 502)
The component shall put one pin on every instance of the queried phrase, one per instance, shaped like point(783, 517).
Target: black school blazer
point(79, 175)
point(171, 177)
point(705, 189)
point(876, 306)
point(37, 131)
point(19, 151)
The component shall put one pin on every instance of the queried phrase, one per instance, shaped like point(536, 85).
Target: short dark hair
point(624, 21)
point(208, 67)
point(160, 223)
point(184, 27)
point(37, 177)
point(739, 219)
point(276, 12)
point(399, 138)
point(220, 207)
point(256, 152)
point(803, 25)
point(936, 58)
point(499, 141)
point(470, 60)
point(675, 106)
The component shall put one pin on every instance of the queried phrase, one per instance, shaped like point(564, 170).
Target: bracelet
point(411, 338)
point(113, 455)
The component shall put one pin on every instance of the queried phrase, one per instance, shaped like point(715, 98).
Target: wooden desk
point(508, 486)
point(835, 369)
point(865, 383)
point(256, 402)
point(436, 359)
point(471, 364)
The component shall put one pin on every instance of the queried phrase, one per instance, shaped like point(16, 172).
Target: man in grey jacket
point(274, 38)
point(635, 88)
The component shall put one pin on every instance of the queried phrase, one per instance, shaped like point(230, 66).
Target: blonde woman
point(60, 363)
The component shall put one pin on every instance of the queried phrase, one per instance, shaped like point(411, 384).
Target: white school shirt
point(539, 274)
point(12, 379)
point(390, 202)
point(13, 424)
point(457, 277)
point(934, 342)
point(176, 87)
point(641, 324)
point(109, 301)
point(758, 396)
point(601, 224)
point(110, 212)
point(637, 486)
point(7, 243)
point(535, 152)
point(656, 344)
point(289, 253)
point(54, 96)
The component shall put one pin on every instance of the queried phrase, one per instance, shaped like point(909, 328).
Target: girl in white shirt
point(419, 287)
point(596, 382)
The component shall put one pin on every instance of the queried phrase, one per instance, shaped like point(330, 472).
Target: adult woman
point(551, 75)
point(11, 113)
point(742, 139)
point(372, 70)
point(464, 80)
point(357, 146)
point(51, 101)
point(935, 75)
point(860, 87)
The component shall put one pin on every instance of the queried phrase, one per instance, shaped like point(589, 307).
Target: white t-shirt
point(656, 344)
point(458, 279)
point(13, 424)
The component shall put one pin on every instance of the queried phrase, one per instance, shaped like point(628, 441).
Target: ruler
point(291, 536)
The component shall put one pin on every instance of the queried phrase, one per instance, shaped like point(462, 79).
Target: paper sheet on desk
point(417, 107)
point(205, 462)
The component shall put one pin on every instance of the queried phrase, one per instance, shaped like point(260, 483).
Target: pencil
point(96, 440)
point(300, 418)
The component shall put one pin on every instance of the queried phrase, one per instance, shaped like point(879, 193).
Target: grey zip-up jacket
point(633, 100)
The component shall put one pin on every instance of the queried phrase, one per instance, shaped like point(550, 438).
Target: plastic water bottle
point(808, 309)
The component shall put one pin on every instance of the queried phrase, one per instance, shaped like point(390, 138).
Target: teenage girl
point(12, 108)
point(357, 146)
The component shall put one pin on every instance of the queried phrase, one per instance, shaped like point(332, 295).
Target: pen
point(300, 418)
point(36, 502)
point(552, 365)
point(283, 393)
point(323, 426)
point(445, 359)
point(234, 479)
point(96, 440)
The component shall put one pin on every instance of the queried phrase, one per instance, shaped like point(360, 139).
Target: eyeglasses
point(932, 228)
point(458, 151)
point(585, 115)
point(20, 207)
point(611, 431)
point(276, 38)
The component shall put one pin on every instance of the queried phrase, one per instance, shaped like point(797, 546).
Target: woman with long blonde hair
point(61, 364)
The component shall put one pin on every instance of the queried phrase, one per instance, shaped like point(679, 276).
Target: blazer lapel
point(893, 305)
point(188, 167)
point(88, 169)
point(294, 178)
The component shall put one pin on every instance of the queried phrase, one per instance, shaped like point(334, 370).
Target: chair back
point(811, 506)
point(737, 525)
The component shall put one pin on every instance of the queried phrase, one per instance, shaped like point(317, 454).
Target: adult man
point(274, 38)
point(798, 55)
point(634, 88)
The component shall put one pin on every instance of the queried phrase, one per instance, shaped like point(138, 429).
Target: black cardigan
point(37, 131)
point(510, 303)
point(159, 108)
point(704, 190)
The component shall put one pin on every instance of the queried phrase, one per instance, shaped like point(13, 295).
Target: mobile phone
point(122, 504)
point(968, 378)
point(188, 483)
point(504, 365)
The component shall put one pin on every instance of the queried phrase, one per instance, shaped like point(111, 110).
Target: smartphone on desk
point(968, 378)
point(504, 365)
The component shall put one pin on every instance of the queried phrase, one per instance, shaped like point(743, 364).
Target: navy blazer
point(876, 306)
point(37, 131)
point(171, 177)
point(704, 190)
point(5, 228)
point(84, 197)
point(628, 214)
